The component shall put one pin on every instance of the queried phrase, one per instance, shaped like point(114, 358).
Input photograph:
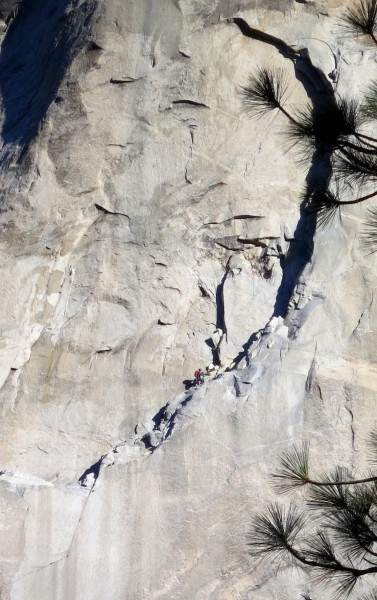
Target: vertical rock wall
point(142, 212)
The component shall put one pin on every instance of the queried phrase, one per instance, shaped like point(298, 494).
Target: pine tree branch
point(288, 115)
point(337, 566)
point(352, 481)
point(365, 137)
point(361, 149)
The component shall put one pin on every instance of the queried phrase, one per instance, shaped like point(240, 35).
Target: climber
point(199, 377)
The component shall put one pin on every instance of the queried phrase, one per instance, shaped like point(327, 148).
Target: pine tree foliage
point(369, 107)
point(264, 91)
point(327, 128)
point(355, 168)
point(293, 470)
point(360, 18)
point(370, 232)
point(334, 531)
point(336, 129)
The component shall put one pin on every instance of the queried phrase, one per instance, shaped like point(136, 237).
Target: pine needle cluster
point(334, 534)
point(360, 18)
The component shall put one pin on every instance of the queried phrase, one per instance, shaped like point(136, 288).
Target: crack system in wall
point(298, 256)
point(321, 93)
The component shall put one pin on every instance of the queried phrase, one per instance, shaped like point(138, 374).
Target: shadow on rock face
point(38, 47)
point(321, 94)
point(189, 383)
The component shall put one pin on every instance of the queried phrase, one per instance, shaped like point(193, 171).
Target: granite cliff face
point(148, 228)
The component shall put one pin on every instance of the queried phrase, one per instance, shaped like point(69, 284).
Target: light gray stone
point(147, 229)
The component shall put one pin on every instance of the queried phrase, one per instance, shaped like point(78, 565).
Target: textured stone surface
point(142, 211)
